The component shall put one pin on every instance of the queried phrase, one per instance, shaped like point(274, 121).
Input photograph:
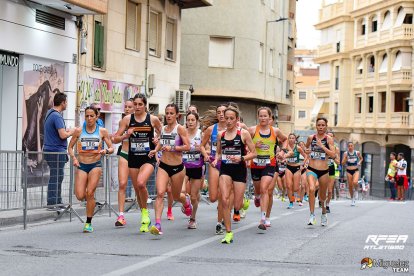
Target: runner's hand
point(152, 153)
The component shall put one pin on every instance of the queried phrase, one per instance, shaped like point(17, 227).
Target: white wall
point(8, 98)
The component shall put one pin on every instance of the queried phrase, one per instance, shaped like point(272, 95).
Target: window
point(401, 101)
point(302, 95)
point(324, 71)
point(363, 27)
point(384, 64)
point(338, 47)
point(170, 39)
point(261, 55)
point(221, 52)
point(271, 67)
point(360, 68)
point(301, 114)
point(382, 101)
point(358, 104)
point(386, 24)
point(155, 33)
point(408, 19)
point(133, 26)
point(336, 115)
point(336, 77)
point(371, 64)
point(370, 102)
point(374, 24)
point(98, 42)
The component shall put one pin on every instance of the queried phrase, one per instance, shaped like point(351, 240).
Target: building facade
point(249, 62)
point(38, 53)
point(306, 82)
point(365, 79)
point(134, 48)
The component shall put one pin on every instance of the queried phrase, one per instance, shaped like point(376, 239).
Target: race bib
point(318, 155)
point(90, 144)
point(227, 153)
point(292, 160)
point(214, 147)
point(191, 157)
point(262, 160)
point(167, 140)
point(140, 145)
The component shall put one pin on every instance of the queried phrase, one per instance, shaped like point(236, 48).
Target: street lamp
point(265, 46)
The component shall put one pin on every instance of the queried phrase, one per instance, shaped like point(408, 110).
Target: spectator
point(390, 178)
point(54, 147)
point(402, 181)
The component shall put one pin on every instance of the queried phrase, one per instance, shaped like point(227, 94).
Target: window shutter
point(96, 44)
point(153, 31)
point(101, 45)
point(170, 36)
point(131, 25)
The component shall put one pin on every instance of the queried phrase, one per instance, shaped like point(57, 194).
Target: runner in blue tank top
point(89, 147)
point(352, 159)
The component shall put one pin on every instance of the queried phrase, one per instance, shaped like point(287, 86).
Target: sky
point(307, 13)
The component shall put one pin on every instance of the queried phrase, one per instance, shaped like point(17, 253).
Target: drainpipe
point(147, 49)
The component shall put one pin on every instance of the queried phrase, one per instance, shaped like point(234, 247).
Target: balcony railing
point(402, 76)
point(324, 85)
point(381, 119)
point(400, 120)
point(326, 50)
point(363, 3)
point(358, 79)
point(383, 77)
point(404, 32)
point(334, 10)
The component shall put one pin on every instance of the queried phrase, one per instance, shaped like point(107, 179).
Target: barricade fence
point(34, 180)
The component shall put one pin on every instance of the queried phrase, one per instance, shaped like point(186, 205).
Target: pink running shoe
point(188, 209)
point(120, 221)
point(170, 216)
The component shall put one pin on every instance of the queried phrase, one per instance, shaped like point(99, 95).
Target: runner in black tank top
point(231, 150)
point(319, 147)
point(140, 127)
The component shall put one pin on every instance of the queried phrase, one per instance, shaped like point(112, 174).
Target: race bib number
point(191, 156)
point(214, 147)
point(90, 144)
point(291, 160)
point(167, 140)
point(352, 159)
point(262, 160)
point(227, 154)
point(140, 145)
point(318, 155)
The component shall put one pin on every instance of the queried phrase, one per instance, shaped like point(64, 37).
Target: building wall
point(246, 79)
point(365, 122)
point(37, 47)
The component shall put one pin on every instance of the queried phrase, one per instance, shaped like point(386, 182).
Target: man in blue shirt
point(54, 147)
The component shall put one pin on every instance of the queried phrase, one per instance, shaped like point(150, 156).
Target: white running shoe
point(324, 219)
point(353, 202)
point(312, 220)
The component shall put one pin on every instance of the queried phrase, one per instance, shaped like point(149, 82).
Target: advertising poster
point(42, 80)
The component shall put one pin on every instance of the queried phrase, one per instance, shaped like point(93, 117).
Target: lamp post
point(265, 46)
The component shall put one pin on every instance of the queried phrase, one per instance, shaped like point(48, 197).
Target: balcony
point(77, 7)
point(357, 120)
point(400, 120)
point(360, 41)
point(405, 31)
point(324, 85)
point(326, 50)
point(334, 10)
point(369, 120)
point(358, 80)
point(381, 119)
point(189, 4)
point(402, 76)
point(364, 3)
point(383, 78)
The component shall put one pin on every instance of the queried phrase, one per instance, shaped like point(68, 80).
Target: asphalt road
point(289, 247)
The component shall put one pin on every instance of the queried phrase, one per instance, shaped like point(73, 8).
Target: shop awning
point(316, 108)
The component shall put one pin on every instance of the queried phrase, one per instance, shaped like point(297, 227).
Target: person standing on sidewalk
point(54, 147)
point(402, 181)
point(392, 171)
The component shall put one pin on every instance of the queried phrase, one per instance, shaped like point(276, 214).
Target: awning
point(316, 108)
point(400, 18)
point(387, 22)
point(360, 66)
point(384, 65)
point(397, 63)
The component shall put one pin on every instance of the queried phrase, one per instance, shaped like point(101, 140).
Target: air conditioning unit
point(182, 100)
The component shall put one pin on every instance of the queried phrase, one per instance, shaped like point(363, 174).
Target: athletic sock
point(158, 221)
point(169, 209)
point(263, 216)
point(88, 219)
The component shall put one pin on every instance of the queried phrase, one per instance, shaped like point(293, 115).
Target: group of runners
point(218, 147)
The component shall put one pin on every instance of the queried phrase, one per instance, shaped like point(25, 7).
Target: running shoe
point(145, 219)
point(257, 201)
point(283, 199)
point(300, 203)
point(306, 198)
point(236, 217)
point(188, 209)
point(324, 219)
point(327, 209)
point(144, 228)
point(228, 238)
point(170, 216)
point(87, 228)
point(192, 224)
point(246, 203)
point(120, 221)
point(156, 229)
point(242, 213)
point(219, 229)
point(262, 226)
point(353, 202)
point(290, 205)
point(268, 223)
point(312, 220)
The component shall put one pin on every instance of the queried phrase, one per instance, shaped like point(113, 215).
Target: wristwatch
point(242, 158)
point(106, 151)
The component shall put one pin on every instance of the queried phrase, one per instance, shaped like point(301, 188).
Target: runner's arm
point(120, 135)
point(184, 137)
point(249, 143)
point(105, 137)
